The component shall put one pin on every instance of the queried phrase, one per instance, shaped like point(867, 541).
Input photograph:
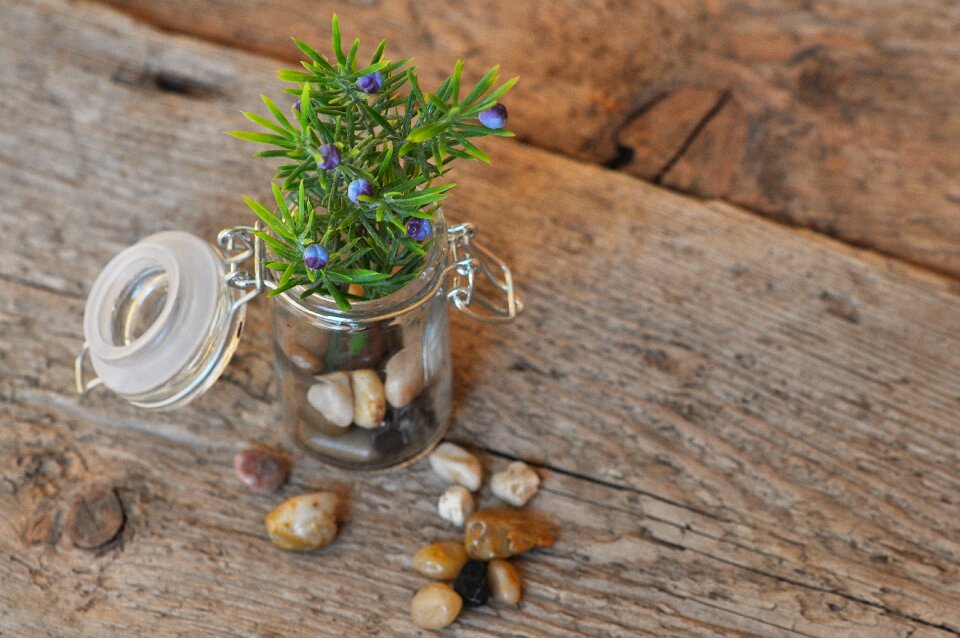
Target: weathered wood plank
point(835, 116)
point(784, 404)
point(192, 559)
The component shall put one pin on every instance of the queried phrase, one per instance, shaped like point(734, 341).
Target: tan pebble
point(516, 485)
point(455, 465)
point(304, 522)
point(505, 532)
point(303, 359)
point(456, 504)
point(332, 397)
point(440, 561)
point(435, 606)
point(369, 403)
point(504, 580)
point(404, 373)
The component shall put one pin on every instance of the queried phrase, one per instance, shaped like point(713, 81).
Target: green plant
point(365, 148)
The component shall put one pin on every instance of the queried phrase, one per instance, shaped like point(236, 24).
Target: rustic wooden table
point(744, 429)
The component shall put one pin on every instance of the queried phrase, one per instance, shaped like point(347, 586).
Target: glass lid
point(164, 317)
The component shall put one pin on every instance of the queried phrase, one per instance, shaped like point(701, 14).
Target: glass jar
point(369, 388)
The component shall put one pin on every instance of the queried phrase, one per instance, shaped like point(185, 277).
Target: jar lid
point(161, 321)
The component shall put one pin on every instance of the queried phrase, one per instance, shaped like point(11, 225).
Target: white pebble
point(454, 464)
point(456, 505)
point(516, 485)
point(331, 396)
point(404, 373)
point(369, 403)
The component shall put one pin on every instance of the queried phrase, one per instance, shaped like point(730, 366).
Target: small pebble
point(262, 469)
point(454, 464)
point(435, 606)
point(404, 373)
point(332, 397)
point(302, 358)
point(471, 584)
point(504, 532)
point(304, 522)
point(369, 403)
point(456, 504)
point(516, 485)
point(440, 561)
point(504, 580)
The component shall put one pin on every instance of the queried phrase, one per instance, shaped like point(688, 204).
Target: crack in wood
point(698, 128)
point(27, 283)
point(624, 153)
point(761, 572)
point(825, 590)
point(165, 81)
point(595, 481)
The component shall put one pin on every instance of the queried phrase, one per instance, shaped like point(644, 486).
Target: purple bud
point(315, 256)
point(418, 229)
point(329, 157)
point(357, 188)
point(296, 106)
point(494, 117)
point(370, 83)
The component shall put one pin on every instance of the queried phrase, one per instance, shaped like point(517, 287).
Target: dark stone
point(262, 469)
point(96, 518)
point(472, 584)
point(403, 428)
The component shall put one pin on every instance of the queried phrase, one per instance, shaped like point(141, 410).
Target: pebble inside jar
point(371, 389)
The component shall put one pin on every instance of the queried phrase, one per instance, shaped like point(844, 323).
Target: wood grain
point(745, 429)
point(837, 116)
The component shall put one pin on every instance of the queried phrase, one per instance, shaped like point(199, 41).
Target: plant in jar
point(355, 225)
point(366, 150)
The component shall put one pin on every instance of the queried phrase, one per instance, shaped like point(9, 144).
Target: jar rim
point(112, 284)
point(411, 296)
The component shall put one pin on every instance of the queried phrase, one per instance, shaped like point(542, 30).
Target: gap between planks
point(187, 86)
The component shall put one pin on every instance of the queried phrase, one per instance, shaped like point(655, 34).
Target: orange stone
point(504, 532)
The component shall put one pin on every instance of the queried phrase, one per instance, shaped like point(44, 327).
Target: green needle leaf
point(337, 49)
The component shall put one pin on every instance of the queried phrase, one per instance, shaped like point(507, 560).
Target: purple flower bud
point(418, 229)
point(296, 106)
point(370, 83)
point(494, 117)
point(315, 256)
point(357, 188)
point(329, 157)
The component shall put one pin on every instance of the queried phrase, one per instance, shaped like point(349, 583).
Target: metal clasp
point(236, 245)
point(469, 258)
point(83, 387)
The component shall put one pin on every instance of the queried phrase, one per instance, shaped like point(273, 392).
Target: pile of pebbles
point(301, 523)
point(465, 572)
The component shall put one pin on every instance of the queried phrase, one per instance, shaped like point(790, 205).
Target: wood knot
point(96, 518)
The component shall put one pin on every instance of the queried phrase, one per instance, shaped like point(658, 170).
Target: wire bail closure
point(234, 246)
point(468, 259)
point(233, 256)
point(471, 258)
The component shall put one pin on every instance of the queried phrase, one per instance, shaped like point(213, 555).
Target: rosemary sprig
point(364, 150)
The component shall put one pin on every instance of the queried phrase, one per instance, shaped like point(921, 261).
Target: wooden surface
point(743, 429)
point(837, 116)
